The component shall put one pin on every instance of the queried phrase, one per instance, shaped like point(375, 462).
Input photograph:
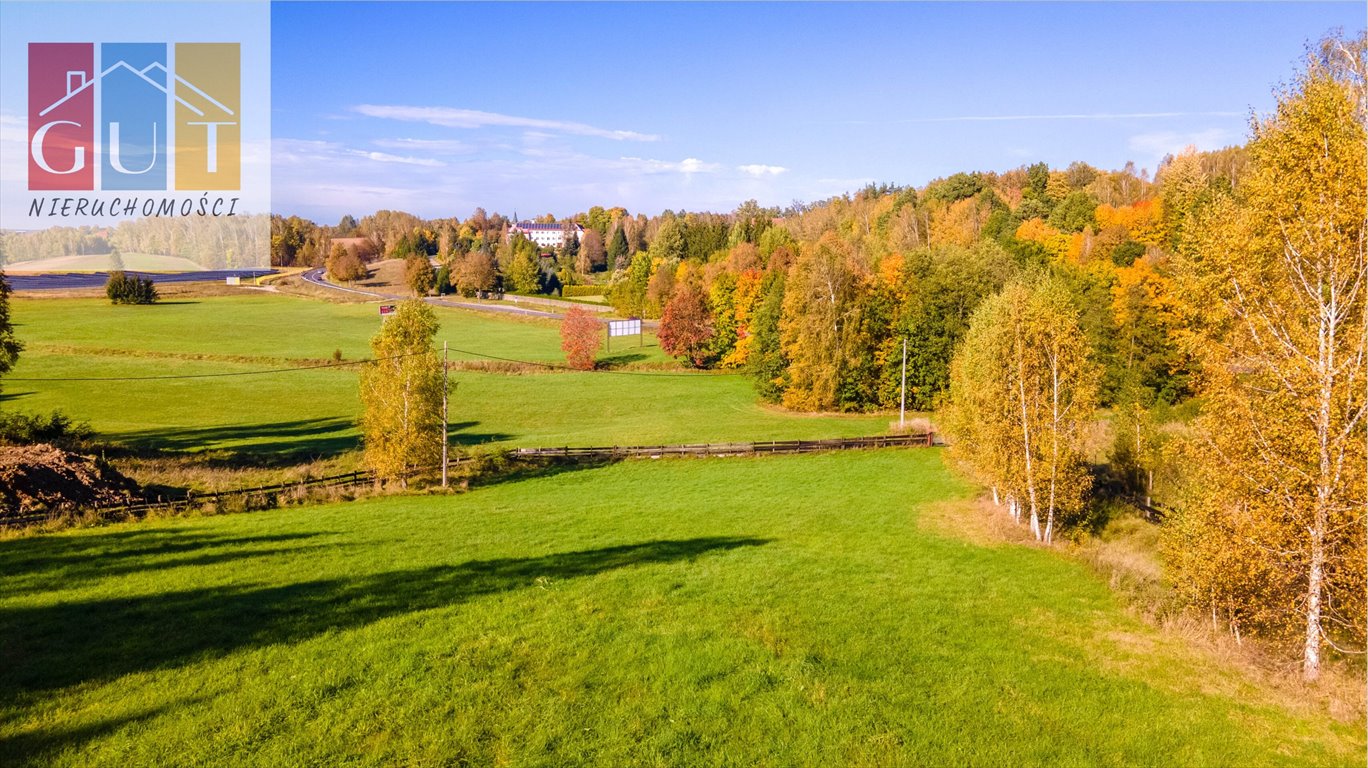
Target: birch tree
point(1023, 387)
point(1279, 277)
point(401, 392)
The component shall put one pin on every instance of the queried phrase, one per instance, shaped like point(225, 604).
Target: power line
point(559, 367)
point(212, 375)
point(229, 374)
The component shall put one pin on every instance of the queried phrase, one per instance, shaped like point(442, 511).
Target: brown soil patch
point(43, 478)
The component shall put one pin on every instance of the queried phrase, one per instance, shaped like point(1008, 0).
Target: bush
point(30, 428)
point(573, 291)
point(123, 288)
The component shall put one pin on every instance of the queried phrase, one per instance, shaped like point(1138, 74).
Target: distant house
point(546, 235)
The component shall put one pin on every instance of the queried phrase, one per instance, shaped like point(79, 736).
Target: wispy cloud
point(301, 151)
point(1062, 116)
point(760, 171)
point(385, 157)
point(1160, 143)
point(450, 117)
point(439, 146)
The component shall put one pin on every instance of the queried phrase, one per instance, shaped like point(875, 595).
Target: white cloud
point(440, 146)
point(1159, 143)
point(688, 166)
point(385, 157)
point(450, 117)
point(760, 171)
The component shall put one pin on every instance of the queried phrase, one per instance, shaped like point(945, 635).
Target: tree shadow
point(268, 444)
point(46, 647)
point(458, 434)
point(262, 444)
point(533, 467)
point(101, 554)
point(613, 361)
point(18, 749)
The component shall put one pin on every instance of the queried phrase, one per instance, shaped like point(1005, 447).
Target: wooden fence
point(270, 493)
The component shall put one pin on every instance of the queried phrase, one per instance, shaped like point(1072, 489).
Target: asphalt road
point(70, 280)
point(316, 277)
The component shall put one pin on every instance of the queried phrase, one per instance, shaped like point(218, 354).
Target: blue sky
point(437, 108)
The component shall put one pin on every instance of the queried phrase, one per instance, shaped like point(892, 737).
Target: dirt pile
point(43, 478)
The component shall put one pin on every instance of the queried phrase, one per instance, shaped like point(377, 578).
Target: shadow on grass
point(614, 360)
point(268, 444)
point(53, 741)
point(101, 551)
point(529, 468)
point(458, 433)
point(278, 441)
point(53, 646)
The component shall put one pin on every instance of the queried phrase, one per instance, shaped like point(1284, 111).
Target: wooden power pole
point(444, 414)
point(902, 399)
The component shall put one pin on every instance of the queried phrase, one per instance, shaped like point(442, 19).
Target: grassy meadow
point(313, 413)
point(777, 611)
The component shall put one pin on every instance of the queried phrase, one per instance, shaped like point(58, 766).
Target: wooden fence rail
point(605, 453)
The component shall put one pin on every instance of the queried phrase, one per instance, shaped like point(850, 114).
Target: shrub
point(123, 288)
point(30, 428)
point(574, 291)
point(581, 336)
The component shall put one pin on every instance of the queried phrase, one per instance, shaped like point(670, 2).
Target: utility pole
point(444, 414)
point(902, 400)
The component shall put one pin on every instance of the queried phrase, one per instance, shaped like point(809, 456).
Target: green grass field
point(313, 413)
point(785, 611)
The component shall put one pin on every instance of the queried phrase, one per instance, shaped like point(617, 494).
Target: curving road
point(317, 277)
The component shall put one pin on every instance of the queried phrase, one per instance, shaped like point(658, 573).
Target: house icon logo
point(163, 123)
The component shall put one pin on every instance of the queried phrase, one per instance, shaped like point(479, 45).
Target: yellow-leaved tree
point(1271, 539)
point(1022, 388)
point(401, 392)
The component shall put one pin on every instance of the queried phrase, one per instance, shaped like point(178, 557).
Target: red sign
point(386, 309)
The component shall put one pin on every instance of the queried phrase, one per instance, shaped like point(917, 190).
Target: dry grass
point(210, 472)
point(295, 286)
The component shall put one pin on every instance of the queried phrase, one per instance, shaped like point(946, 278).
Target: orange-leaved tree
point(581, 337)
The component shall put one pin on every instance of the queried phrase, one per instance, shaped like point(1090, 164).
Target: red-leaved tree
point(687, 327)
point(581, 337)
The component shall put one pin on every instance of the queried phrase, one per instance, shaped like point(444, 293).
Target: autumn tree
point(686, 328)
point(1276, 280)
point(820, 328)
point(591, 255)
point(474, 272)
point(524, 271)
point(581, 338)
point(1022, 389)
point(344, 265)
point(401, 394)
point(419, 274)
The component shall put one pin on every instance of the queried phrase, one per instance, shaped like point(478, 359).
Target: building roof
point(528, 226)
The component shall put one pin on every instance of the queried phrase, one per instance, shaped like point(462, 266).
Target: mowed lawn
point(314, 412)
point(781, 611)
